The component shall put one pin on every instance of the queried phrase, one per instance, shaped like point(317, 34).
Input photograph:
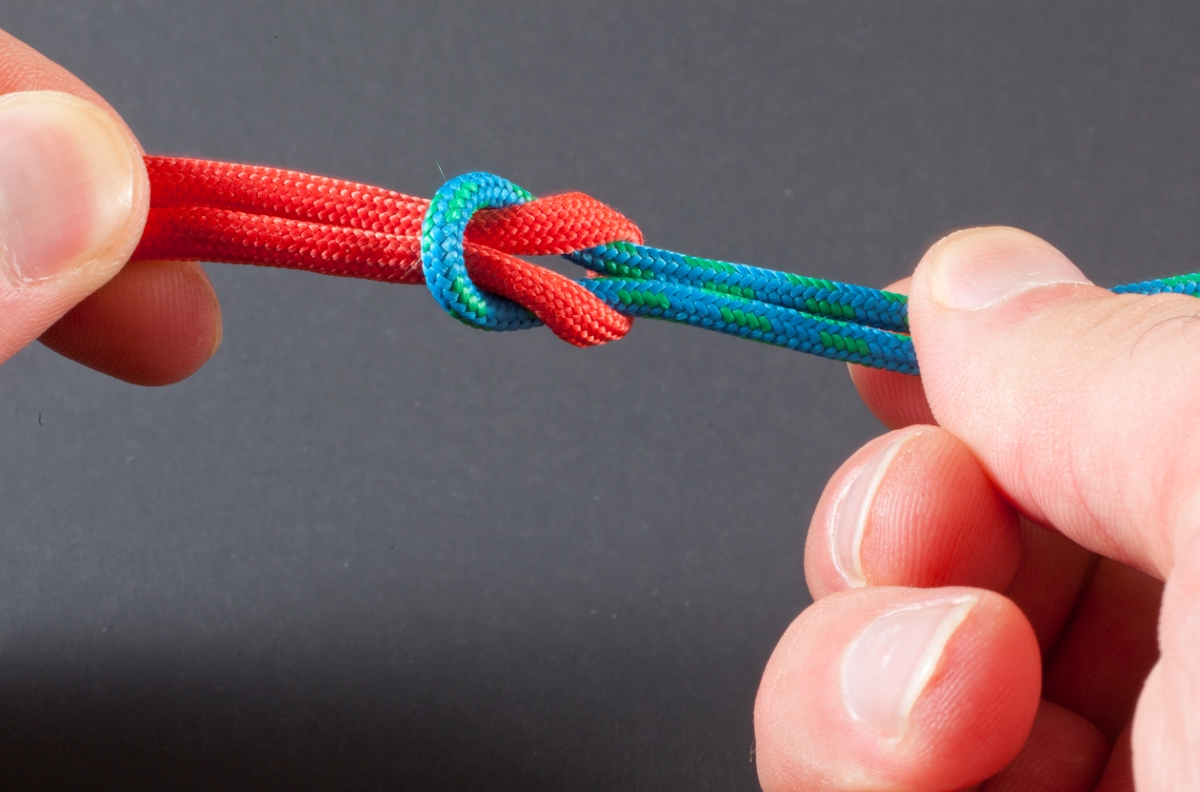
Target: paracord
point(463, 244)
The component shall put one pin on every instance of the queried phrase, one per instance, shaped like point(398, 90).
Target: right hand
point(954, 641)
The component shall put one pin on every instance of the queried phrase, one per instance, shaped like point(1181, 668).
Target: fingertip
point(897, 400)
point(986, 696)
point(979, 268)
point(155, 323)
point(1047, 379)
point(912, 508)
point(899, 688)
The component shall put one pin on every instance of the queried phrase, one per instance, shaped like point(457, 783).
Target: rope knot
point(464, 245)
point(459, 257)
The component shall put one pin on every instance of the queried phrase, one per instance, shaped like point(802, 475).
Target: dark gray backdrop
point(369, 548)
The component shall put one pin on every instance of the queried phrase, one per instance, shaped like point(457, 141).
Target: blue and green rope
point(835, 320)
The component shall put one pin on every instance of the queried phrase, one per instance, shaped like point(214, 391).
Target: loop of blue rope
point(841, 321)
point(442, 252)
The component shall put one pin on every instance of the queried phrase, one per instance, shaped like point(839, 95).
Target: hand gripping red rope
point(243, 214)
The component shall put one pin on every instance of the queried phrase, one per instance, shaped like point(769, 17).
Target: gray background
point(367, 547)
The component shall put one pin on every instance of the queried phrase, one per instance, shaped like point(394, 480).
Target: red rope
point(242, 214)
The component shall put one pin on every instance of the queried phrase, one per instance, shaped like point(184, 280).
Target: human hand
point(73, 201)
point(953, 640)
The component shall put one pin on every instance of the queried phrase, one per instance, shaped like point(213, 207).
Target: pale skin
point(150, 323)
point(957, 644)
point(989, 576)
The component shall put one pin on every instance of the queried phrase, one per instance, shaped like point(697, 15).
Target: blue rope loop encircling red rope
point(834, 320)
point(248, 214)
point(442, 251)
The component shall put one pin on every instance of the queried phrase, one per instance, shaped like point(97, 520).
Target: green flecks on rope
point(814, 315)
point(807, 314)
point(843, 344)
point(644, 299)
point(710, 264)
point(442, 252)
point(249, 214)
point(733, 291)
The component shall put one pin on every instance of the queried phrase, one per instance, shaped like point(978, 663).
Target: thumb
point(73, 200)
point(1081, 404)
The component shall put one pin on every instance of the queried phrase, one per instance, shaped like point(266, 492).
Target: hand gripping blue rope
point(835, 320)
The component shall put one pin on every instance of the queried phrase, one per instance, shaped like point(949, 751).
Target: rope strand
point(463, 244)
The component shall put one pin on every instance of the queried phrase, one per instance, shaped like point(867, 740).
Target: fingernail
point(850, 514)
point(981, 267)
point(890, 663)
point(66, 184)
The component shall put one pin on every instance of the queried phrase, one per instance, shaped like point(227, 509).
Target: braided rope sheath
point(464, 243)
point(443, 255)
point(243, 214)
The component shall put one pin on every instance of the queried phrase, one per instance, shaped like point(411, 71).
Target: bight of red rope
point(243, 214)
point(463, 244)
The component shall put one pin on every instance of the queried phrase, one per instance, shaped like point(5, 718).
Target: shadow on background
point(146, 732)
point(461, 719)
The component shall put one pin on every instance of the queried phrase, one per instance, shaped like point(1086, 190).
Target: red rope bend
point(243, 214)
